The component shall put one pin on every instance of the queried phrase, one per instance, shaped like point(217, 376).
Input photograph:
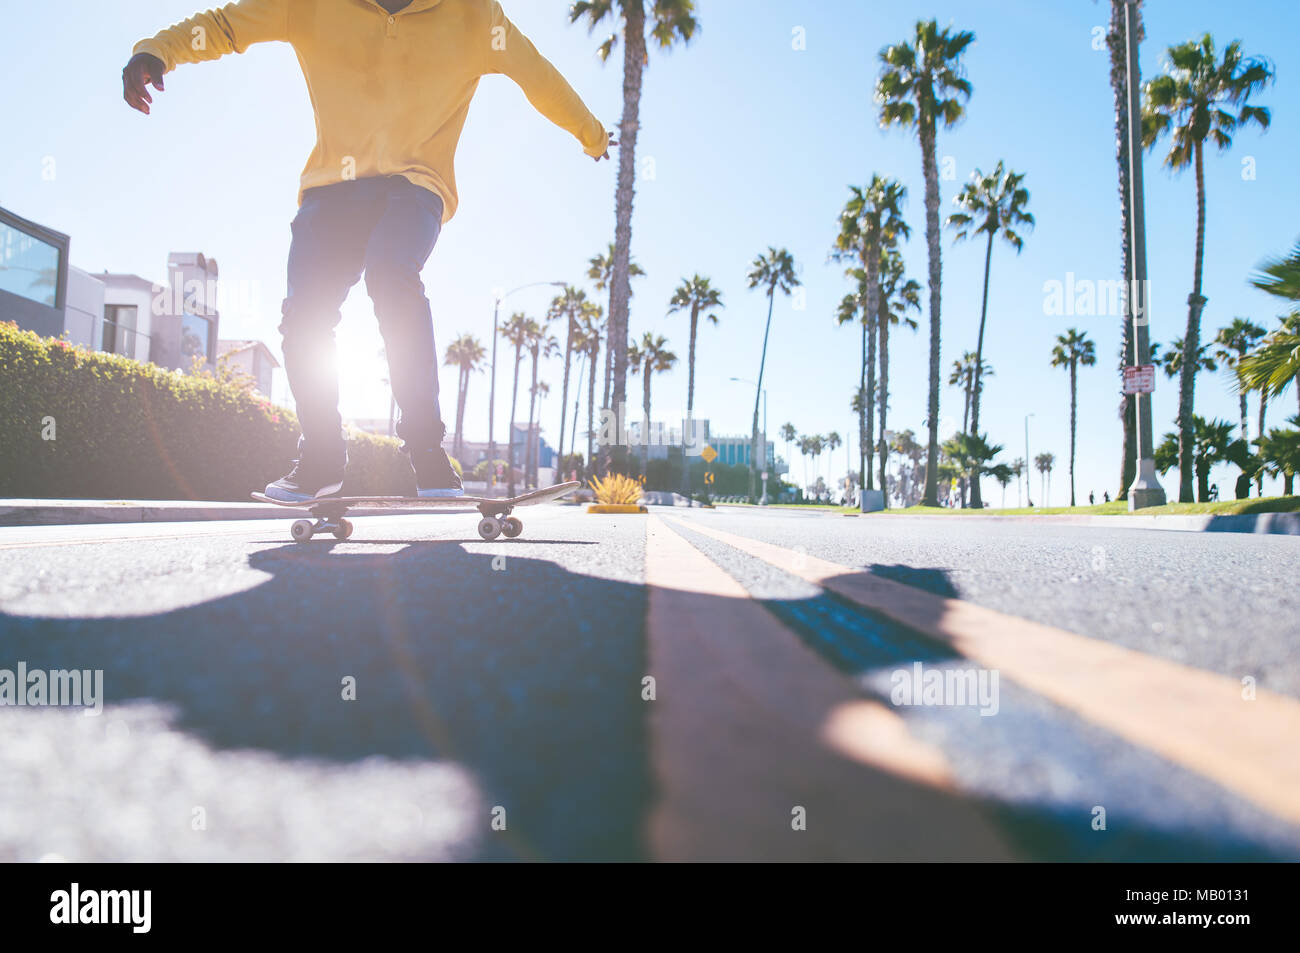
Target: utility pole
point(1145, 490)
point(1028, 488)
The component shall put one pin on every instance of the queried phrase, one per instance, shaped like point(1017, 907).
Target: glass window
point(120, 329)
point(28, 266)
point(196, 333)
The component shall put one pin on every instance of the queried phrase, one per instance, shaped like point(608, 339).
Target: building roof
point(235, 346)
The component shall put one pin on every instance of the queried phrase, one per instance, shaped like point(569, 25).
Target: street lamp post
point(1028, 489)
point(1145, 489)
point(753, 448)
point(492, 385)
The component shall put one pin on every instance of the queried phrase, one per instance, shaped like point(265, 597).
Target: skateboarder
point(391, 82)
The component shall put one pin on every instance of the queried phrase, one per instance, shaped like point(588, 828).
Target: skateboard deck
point(329, 512)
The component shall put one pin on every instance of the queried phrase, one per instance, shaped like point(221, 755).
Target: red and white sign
point(1140, 379)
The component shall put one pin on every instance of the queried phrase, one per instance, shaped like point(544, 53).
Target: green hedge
point(123, 429)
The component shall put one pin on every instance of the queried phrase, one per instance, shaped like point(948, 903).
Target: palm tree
point(1044, 463)
point(1232, 344)
point(1172, 360)
point(789, 435)
point(1212, 443)
point(586, 334)
point(963, 376)
point(698, 296)
point(593, 329)
point(647, 357)
point(1195, 101)
point(805, 448)
point(465, 353)
point(991, 205)
point(1280, 454)
point(972, 456)
point(833, 443)
point(851, 306)
point(921, 85)
point(600, 269)
point(898, 295)
point(543, 391)
point(1072, 350)
point(519, 330)
point(817, 446)
point(670, 21)
point(1019, 469)
point(905, 445)
point(1272, 366)
point(775, 272)
point(871, 219)
point(1117, 44)
point(569, 305)
point(541, 345)
point(1004, 474)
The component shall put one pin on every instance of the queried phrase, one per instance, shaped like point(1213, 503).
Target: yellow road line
point(749, 727)
point(1195, 718)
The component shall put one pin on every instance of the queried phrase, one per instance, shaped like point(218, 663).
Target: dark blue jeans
point(385, 227)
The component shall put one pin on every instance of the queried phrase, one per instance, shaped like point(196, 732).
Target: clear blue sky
point(753, 144)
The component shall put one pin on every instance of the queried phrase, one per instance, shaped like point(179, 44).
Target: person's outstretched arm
point(204, 36)
point(513, 54)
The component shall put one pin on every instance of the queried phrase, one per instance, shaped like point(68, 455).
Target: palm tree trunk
point(462, 389)
point(564, 391)
point(870, 316)
point(869, 396)
point(758, 393)
point(1117, 42)
point(577, 404)
point(530, 446)
point(690, 403)
point(930, 167)
point(976, 500)
point(1074, 406)
point(510, 440)
point(645, 407)
point(864, 477)
point(591, 408)
point(883, 324)
point(1263, 406)
point(1191, 345)
point(1245, 420)
point(620, 288)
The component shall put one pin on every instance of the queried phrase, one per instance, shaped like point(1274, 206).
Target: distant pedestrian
point(1105, 496)
point(1092, 498)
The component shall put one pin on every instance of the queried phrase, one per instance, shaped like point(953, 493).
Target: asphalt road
point(502, 708)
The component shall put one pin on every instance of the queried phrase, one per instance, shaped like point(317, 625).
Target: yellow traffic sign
point(708, 477)
point(709, 454)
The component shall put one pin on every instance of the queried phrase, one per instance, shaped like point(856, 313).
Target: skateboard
point(329, 513)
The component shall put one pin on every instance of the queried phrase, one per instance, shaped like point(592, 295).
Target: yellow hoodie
point(391, 92)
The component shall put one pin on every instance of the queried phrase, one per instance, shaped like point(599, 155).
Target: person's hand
point(141, 70)
point(612, 142)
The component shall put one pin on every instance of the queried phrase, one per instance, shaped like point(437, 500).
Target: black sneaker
point(306, 482)
point(434, 475)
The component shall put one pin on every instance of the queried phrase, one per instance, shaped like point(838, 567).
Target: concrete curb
point(1285, 524)
point(69, 512)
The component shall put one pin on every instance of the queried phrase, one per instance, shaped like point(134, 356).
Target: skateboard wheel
point(301, 531)
point(512, 526)
point(489, 527)
point(343, 530)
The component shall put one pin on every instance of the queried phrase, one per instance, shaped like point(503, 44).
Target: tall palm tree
point(992, 205)
point(648, 357)
point(1117, 44)
point(542, 344)
point(1213, 443)
point(963, 376)
point(922, 84)
point(898, 295)
point(670, 21)
point(817, 446)
point(973, 455)
point(698, 296)
point(906, 446)
point(600, 269)
point(593, 329)
point(805, 448)
point(789, 435)
point(1280, 453)
point(871, 219)
point(854, 307)
point(1072, 350)
point(1044, 463)
point(465, 353)
point(569, 306)
point(1233, 342)
point(1272, 366)
point(775, 272)
point(1201, 98)
point(519, 330)
point(1019, 469)
point(833, 443)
